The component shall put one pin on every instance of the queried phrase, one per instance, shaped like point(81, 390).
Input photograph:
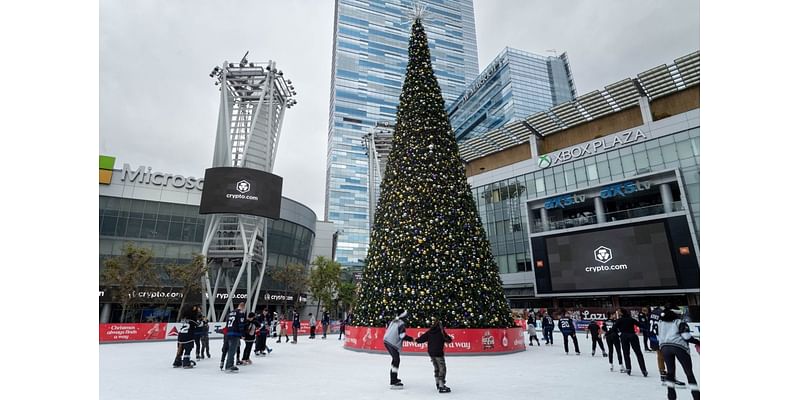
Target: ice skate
point(605, 355)
point(444, 389)
point(396, 386)
point(268, 351)
point(612, 368)
point(232, 369)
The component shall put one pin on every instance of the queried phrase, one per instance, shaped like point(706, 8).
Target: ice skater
point(186, 338)
point(532, 331)
point(674, 337)
point(251, 326)
point(594, 330)
point(625, 326)
point(547, 328)
point(644, 328)
point(612, 340)
point(567, 327)
point(436, 337)
point(655, 316)
point(393, 341)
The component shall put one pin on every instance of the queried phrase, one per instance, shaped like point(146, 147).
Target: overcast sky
point(158, 106)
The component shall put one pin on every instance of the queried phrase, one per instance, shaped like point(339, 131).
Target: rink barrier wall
point(142, 332)
point(483, 341)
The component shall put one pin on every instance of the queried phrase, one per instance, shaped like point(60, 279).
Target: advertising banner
point(126, 332)
point(465, 341)
point(235, 190)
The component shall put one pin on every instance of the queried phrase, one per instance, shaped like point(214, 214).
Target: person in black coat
point(644, 327)
point(186, 338)
point(326, 320)
point(436, 337)
point(547, 328)
point(612, 340)
point(625, 327)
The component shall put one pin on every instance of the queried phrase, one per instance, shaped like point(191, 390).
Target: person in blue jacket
point(567, 327)
point(235, 327)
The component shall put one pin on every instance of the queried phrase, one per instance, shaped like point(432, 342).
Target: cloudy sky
point(158, 106)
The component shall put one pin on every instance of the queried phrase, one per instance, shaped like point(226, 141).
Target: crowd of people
point(251, 328)
point(663, 331)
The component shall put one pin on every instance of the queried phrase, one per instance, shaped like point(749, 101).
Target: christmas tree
point(428, 251)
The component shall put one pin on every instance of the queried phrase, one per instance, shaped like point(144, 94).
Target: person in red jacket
point(436, 338)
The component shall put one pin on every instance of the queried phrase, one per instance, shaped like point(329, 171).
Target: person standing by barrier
point(312, 325)
point(594, 330)
point(674, 337)
point(295, 326)
point(326, 321)
point(393, 341)
point(547, 328)
point(567, 327)
point(625, 326)
point(342, 326)
point(612, 340)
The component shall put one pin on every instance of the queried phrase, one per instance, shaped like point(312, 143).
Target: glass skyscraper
point(370, 53)
point(515, 85)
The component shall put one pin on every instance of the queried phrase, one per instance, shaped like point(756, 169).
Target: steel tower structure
point(253, 100)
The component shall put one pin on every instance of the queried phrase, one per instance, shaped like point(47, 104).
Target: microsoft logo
point(106, 169)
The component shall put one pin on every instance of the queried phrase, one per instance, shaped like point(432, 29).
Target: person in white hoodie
point(393, 341)
point(674, 337)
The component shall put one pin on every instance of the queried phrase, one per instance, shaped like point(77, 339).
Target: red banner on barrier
point(486, 340)
point(126, 332)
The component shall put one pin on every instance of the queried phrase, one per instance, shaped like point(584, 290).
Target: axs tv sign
point(233, 190)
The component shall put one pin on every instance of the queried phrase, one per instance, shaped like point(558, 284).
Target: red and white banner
point(465, 341)
point(127, 332)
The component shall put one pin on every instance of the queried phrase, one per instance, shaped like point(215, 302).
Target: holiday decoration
point(428, 251)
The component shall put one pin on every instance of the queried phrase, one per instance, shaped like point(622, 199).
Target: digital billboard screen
point(233, 190)
point(629, 257)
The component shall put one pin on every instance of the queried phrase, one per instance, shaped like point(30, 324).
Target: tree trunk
point(122, 317)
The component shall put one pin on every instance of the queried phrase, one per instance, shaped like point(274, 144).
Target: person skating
point(326, 320)
point(436, 337)
point(263, 333)
point(612, 340)
point(644, 328)
point(251, 326)
point(235, 325)
point(393, 341)
point(198, 332)
point(547, 328)
point(674, 337)
point(532, 331)
point(342, 326)
point(312, 325)
point(567, 327)
point(625, 325)
point(655, 316)
point(186, 338)
point(295, 326)
point(594, 330)
point(204, 339)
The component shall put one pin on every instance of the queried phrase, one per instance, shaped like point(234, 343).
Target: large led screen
point(232, 190)
point(629, 257)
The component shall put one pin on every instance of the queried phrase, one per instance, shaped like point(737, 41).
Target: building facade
point(370, 52)
point(515, 85)
point(617, 187)
point(160, 211)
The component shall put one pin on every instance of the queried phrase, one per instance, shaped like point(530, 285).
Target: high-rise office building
point(370, 53)
point(515, 85)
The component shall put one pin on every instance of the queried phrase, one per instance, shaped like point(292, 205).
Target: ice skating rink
point(323, 369)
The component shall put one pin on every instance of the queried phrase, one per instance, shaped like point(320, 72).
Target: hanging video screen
point(231, 190)
point(629, 257)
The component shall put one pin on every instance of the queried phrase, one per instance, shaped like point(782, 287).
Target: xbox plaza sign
point(591, 148)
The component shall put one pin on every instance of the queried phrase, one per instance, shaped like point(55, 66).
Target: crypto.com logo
point(603, 254)
point(243, 186)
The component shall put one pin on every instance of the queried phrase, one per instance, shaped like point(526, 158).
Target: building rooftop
point(654, 83)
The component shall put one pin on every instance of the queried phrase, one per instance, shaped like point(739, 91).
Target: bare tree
point(188, 276)
point(130, 272)
point(294, 279)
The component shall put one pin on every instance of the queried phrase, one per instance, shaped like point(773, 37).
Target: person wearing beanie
point(674, 336)
point(393, 341)
point(250, 328)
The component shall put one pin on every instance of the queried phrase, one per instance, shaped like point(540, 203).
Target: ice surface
point(315, 369)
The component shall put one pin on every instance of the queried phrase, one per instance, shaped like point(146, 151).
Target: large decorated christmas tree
point(428, 251)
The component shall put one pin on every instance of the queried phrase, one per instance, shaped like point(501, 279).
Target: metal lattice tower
point(253, 100)
point(378, 144)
